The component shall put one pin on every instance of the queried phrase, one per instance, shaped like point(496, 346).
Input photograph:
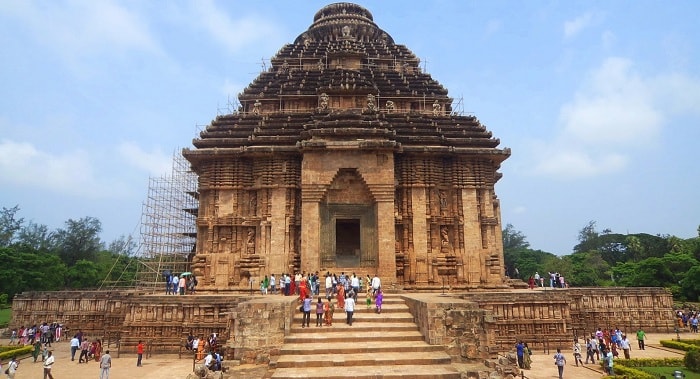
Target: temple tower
point(346, 156)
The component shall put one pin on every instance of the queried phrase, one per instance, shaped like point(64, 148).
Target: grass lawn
point(668, 372)
point(5, 314)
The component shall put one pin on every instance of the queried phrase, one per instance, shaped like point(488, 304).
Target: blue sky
point(598, 100)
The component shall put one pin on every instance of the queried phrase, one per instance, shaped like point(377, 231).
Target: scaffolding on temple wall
point(168, 226)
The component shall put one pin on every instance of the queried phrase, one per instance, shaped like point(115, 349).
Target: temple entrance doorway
point(347, 242)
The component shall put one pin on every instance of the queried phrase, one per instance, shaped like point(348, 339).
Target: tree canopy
point(612, 259)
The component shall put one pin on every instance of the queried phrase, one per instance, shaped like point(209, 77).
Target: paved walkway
point(543, 364)
point(170, 367)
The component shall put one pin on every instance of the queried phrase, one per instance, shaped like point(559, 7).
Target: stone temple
point(345, 156)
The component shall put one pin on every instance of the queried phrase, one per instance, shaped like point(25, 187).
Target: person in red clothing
point(139, 351)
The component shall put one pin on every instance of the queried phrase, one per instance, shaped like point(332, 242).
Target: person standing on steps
point(560, 361)
point(319, 312)
point(306, 318)
point(349, 309)
point(378, 300)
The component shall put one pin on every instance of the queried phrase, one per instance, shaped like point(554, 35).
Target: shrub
point(692, 360)
point(16, 351)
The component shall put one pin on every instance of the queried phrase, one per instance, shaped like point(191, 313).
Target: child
point(369, 297)
point(378, 300)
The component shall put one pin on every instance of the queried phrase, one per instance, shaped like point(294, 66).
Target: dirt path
point(171, 367)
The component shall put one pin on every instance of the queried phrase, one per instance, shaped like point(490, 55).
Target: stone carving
point(323, 102)
point(256, 107)
point(390, 107)
point(253, 203)
point(320, 65)
point(437, 108)
point(371, 106)
point(346, 31)
point(284, 68)
point(250, 241)
point(444, 236)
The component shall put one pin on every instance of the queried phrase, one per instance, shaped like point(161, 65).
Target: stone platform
point(467, 328)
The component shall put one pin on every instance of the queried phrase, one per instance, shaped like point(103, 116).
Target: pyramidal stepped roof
point(344, 78)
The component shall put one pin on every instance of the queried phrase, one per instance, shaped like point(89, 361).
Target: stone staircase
point(386, 345)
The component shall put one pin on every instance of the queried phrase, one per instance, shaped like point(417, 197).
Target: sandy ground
point(543, 364)
point(172, 367)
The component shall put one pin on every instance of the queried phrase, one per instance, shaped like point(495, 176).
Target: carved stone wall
point(471, 326)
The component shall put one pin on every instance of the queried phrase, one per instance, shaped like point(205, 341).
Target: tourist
point(37, 350)
point(273, 284)
point(266, 284)
point(560, 361)
point(288, 285)
point(641, 336)
point(105, 365)
point(531, 282)
point(182, 284)
point(59, 332)
point(198, 346)
point(625, 346)
point(303, 289)
point(369, 297)
point(12, 367)
point(139, 353)
point(319, 312)
point(297, 282)
point(168, 279)
point(591, 349)
point(306, 306)
point(537, 278)
point(520, 354)
point(328, 309)
point(527, 361)
point(329, 285)
point(48, 363)
point(192, 284)
point(355, 284)
point(608, 362)
point(13, 337)
point(378, 300)
point(340, 295)
point(577, 353)
point(84, 351)
point(74, 345)
point(376, 283)
point(349, 309)
point(208, 360)
point(175, 281)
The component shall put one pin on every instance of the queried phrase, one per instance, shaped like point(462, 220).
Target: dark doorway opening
point(347, 242)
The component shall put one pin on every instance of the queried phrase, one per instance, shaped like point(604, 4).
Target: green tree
point(36, 236)
point(79, 240)
point(9, 225)
point(587, 269)
point(514, 239)
point(84, 274)
point(587, 238)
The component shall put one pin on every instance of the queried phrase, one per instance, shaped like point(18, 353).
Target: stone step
point(368, 334)
point(340, 325)
point(364, 359)
point(361, 346)
point(371, 372)
point(340, 316)
point(362, 308)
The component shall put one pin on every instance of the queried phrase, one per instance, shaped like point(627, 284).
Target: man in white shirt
point(48, 363)
point(349, 309)
point(176, 283)
point(208, 359)
point(74, 345)
point(376, 283)
point(329, 285)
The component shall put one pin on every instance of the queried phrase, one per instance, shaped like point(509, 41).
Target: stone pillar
point(310, 230)
point(420, 235)
point(473, 261)
point(279, 248)
point(386, 232)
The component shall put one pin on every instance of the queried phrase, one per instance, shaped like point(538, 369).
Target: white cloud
point(233, 34)
point(22, 164)
point(76, 29)
point(156, 163)
point(519, 210)
point(616, 113)
point(575, 26)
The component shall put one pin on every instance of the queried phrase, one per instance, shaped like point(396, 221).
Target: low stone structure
point(471, 326)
